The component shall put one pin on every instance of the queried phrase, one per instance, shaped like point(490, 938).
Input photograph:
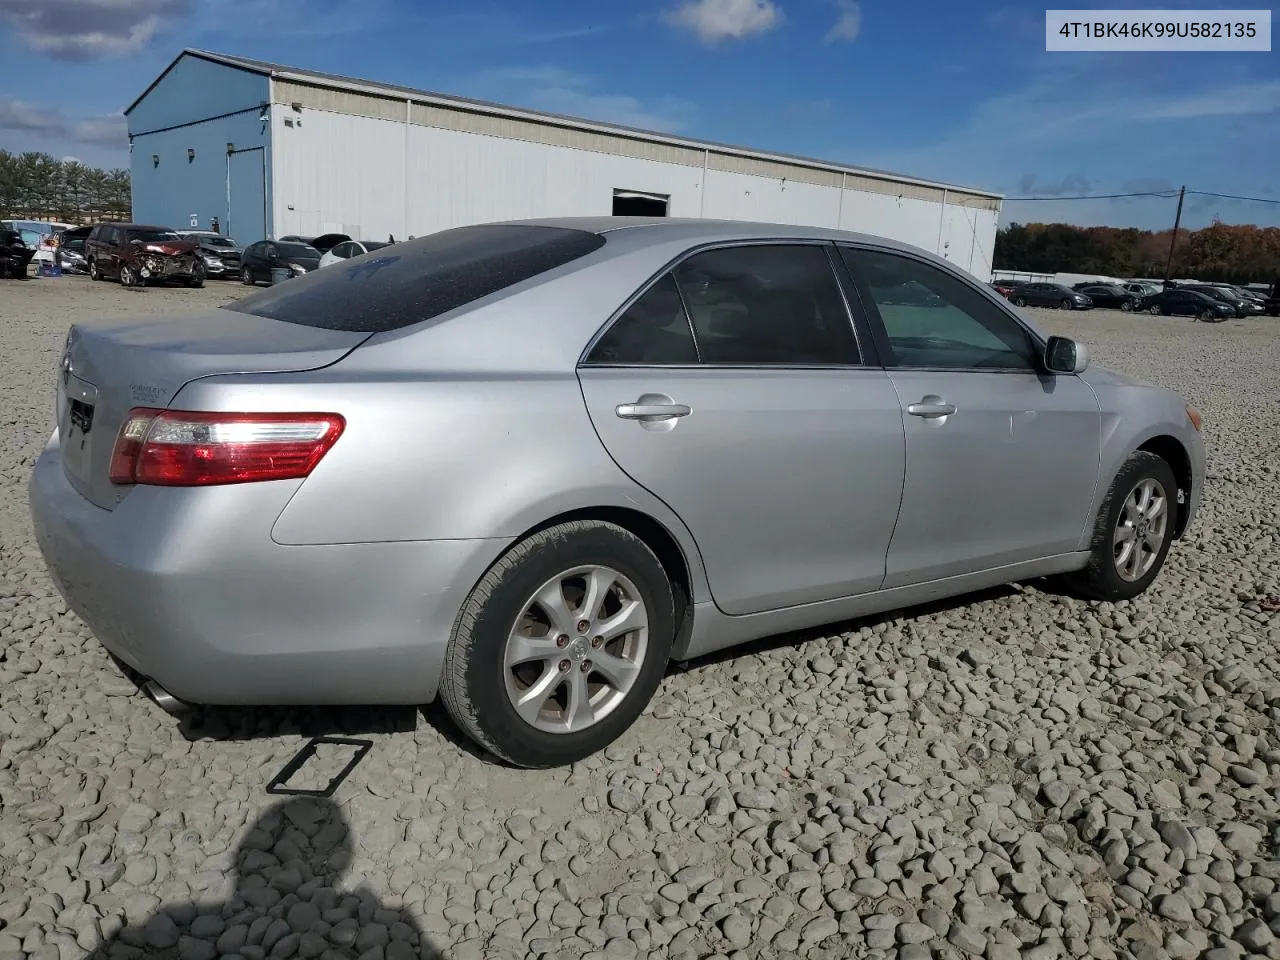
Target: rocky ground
point(1015, 774)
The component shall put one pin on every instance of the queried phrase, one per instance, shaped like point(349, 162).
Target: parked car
point(1005, 287)
point(35, 234)
point(1140, 289)
point(1180, 302)
point(138, 254)
point(221, 254)
point(542, 596)
point(1242, 306)
point(15, 255)
point(1251, 299)
point(1050, 295)
point(1107, 295)
point(71, 249)
point(348, 249)
point(259, 260)
point(324, 243)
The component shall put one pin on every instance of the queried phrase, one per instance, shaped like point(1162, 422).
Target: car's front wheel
point(198, 274)
point(129, 275)
point(1020, 301)
point(246, 277)
point(1133, 531)
point(1126, 305)
point(561, 644)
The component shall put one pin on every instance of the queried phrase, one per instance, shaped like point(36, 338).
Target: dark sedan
point(1243, 306)
point(275, 260)
point(1181, 302)
point(1050, 295)
point(1107, 295)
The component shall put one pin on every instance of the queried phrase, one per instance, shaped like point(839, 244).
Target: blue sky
point(946, 89)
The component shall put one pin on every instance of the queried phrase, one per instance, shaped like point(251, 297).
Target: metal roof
point(352, 84)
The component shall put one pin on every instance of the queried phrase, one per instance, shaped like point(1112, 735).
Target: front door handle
point(931, 408)
point(652, 411)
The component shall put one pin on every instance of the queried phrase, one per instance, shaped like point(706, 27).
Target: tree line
point(1220, 252)
point(36, 186)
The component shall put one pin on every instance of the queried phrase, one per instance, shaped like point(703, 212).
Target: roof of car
point(646, 231)
point(134, 226)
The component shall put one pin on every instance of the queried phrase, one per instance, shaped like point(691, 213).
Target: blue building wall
point(203, 106)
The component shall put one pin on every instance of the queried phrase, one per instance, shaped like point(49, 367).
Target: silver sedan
point(523, 466)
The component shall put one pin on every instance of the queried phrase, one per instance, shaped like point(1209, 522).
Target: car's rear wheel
point(94, 272)
point(1133, 532)
point(1154, 310)
point(561, 644)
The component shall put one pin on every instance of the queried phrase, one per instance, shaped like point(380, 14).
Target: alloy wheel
point(1141, 529)
point(576, 650)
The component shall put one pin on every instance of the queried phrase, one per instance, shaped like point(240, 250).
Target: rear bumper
point(218, 613)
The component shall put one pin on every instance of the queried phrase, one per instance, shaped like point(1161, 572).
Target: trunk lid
point(107, 370)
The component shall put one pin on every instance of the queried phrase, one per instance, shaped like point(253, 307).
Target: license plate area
point(75, 426)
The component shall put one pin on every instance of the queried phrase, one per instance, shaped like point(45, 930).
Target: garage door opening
point(632, 203)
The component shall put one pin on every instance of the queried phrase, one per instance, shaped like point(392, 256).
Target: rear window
point(420, 279)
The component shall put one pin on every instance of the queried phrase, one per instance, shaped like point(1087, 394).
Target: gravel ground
point(1016, 774)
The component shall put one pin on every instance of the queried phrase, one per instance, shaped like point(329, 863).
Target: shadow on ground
point(289, 900)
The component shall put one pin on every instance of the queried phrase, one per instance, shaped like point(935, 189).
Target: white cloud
point(557, 90)
point(1239, 100)
point(716, 20)
point(90, 29)
point(850, 23)
point(50, 123)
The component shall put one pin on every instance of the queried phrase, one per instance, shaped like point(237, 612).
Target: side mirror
point(1064, 355)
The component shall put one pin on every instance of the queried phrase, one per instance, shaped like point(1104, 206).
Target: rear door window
point(422, 279)
point(768, 304)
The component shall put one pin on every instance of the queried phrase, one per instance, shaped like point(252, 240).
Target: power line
point(1232, 196)
point(1167, 195)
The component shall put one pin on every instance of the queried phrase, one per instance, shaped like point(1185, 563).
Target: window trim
point(890, 362)
point(868, 358)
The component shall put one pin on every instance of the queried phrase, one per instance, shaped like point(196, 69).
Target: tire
point(129, 276)
point(1064, 304)
point(94, 272)
point(1155, 311)
point(246, 277)
point(1208, 317)
point(196, 280)
point(479, 688)
point(1126, 305)
point(1020, 302)
point(1103, 579)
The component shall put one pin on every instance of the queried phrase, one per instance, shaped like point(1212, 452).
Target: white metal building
point(271, 150)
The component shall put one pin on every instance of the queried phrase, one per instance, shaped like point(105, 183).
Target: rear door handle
point(652, 411)
point(931, 407)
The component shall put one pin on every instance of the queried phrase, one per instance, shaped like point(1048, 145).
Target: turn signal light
point(177, 448)
point(1194, 416)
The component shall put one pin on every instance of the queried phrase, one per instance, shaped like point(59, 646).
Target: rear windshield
point(306, 251)
point(420, 279)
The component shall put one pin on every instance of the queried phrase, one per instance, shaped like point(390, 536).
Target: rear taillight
point(179, 448)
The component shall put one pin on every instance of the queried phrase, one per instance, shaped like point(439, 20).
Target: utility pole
point(1177, 220)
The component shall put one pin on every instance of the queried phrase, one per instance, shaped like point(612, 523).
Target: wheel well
point(658, 539)
point(1172, 452)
